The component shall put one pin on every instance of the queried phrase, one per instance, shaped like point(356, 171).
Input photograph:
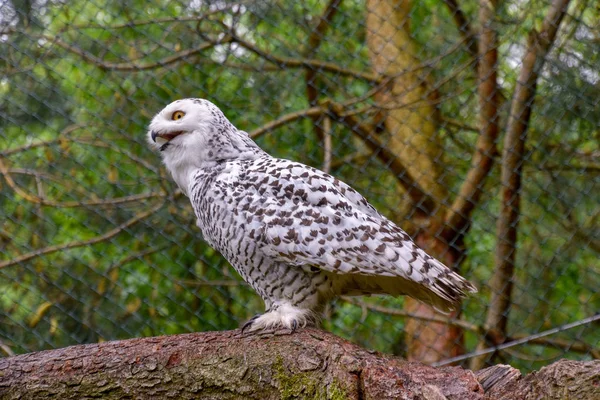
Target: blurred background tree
point(474, 125)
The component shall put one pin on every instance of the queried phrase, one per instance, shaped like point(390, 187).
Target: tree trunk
point(411, 129)
point(513, 158)
point(309, 364)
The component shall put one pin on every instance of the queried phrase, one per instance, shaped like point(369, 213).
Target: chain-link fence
point(473, 125)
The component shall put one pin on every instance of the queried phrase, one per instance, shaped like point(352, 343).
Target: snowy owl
point(296, 235)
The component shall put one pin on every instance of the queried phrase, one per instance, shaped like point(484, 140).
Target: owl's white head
point(193, 134)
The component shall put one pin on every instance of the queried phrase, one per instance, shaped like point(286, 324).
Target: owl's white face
point(176, 124)
point(193, 134)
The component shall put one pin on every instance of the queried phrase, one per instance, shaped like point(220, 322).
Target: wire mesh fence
point(474, 126)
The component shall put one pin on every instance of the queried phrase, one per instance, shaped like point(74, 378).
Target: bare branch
point(120, 150)
point(135, 66)
point(289, 62)
point(154, 21)
point(286, 119)
point(459, 125)
point(64, 136)
point(61, 136)
point(32, 172)
point(80, 243)
point(403, 313)
point(69, 204)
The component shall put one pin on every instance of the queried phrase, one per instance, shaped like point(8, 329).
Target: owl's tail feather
point(445, 289)
point(444, 293)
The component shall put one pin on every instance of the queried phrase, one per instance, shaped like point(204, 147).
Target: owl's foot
point(248, 324)
point(280, 316)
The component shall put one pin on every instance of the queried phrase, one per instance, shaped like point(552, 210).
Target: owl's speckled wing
point(311, 218)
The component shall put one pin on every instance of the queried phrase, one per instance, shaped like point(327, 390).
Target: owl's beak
point(167, 136)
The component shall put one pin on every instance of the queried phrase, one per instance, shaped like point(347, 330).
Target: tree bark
point(565, 379)
point(309, 364)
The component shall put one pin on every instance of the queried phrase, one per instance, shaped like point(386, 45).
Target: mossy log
point(308, 364)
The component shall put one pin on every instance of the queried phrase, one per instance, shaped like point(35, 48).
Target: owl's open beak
point(168, 136)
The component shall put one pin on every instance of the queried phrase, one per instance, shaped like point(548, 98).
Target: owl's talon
point(249, 323)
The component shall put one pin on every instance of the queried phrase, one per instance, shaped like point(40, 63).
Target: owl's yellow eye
point(177, 115)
